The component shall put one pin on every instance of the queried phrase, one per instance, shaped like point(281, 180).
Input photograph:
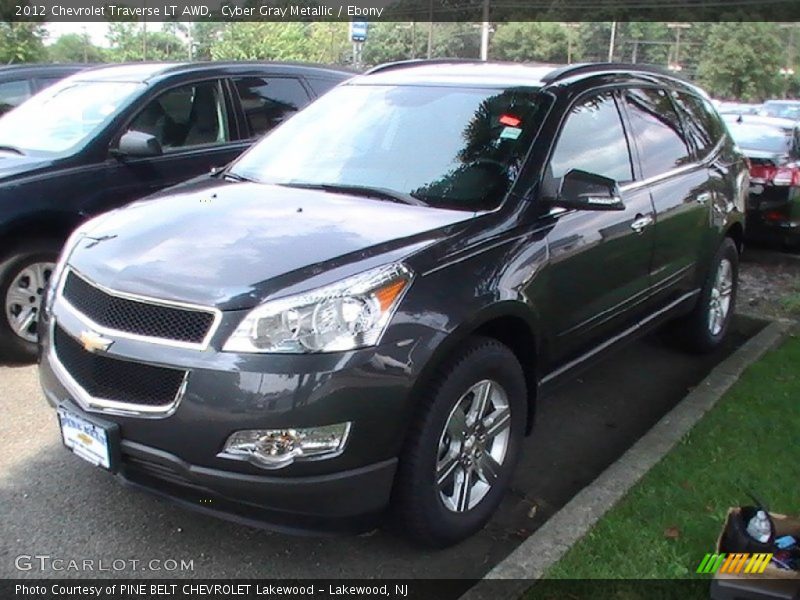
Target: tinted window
point(657, 131)
point(593, 140)
point(191, 115)
point(267, 101)
point(701, 124)
point(13, 93)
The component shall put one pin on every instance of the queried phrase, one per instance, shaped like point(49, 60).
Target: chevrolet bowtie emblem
point(94, 342)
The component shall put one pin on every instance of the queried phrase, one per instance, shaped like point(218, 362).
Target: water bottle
point(759, 527)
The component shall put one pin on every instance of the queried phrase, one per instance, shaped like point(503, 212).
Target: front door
point(599, 260)
point(193, 124)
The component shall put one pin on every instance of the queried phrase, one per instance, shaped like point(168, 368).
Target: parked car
point(362, 310)
point(107, 136)
point(773, 147)
point(20, 82)
point(738, 108)
point(783, 109)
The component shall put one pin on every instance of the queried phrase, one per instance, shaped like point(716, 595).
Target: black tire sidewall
point(704, 340)
point(13, 347)
point(480, 359)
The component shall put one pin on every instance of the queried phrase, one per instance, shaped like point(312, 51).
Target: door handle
point(641, 222)
point(703, 198)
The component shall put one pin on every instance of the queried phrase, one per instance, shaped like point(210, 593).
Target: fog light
point(276, 448)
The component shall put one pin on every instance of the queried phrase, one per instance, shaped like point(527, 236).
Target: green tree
point(531, 41)
point(75, 48)
point(314, 42)
point(128, 42)
point(21, 42)
point(742, 61)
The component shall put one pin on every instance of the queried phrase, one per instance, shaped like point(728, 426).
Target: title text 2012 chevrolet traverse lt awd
point(359, 314)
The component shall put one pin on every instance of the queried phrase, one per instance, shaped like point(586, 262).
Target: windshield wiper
point(13, 149)
point(360, 190)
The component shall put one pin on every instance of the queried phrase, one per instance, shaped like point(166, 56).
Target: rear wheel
point(705, 328)
point(24, 274)
point(463, 447)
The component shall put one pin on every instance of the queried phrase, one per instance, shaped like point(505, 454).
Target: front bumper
point(176, 454)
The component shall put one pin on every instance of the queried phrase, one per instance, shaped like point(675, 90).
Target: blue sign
point(358, 31)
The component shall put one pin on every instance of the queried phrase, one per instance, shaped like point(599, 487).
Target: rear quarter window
point(701, 122)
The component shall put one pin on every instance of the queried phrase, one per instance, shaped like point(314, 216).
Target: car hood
point(15, 164)
point(231, 245)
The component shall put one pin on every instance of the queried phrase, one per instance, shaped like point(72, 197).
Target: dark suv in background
point(362, 310)
point(106, 136)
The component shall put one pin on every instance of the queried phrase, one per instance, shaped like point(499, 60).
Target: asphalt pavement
point(54, 505)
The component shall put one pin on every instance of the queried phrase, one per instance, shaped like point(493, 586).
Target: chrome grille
point(137, 317)
point(107, 378)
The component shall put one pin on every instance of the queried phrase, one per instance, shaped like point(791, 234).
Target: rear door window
point(267, 101)
point(656, 130)
point(701, 123)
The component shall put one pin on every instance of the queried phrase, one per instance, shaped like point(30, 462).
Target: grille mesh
point(118, 380)
point(137, 317)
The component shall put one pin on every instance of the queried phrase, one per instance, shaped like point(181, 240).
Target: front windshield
point(64, 116)
point(444, 146)
point(761, 138)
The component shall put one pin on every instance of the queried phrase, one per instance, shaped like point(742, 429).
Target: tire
point(21, 346)
point(695, 332)
point(440, 516)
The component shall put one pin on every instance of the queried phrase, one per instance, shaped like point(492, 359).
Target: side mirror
point(139, 144)
point(587, 191)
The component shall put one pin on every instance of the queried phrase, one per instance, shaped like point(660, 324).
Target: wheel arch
point(513, 324)
point(736, 232)
point(49, 225)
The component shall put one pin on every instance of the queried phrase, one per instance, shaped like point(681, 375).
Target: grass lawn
point(750, 441)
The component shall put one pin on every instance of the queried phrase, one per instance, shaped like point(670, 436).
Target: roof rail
point(599, 67)
point(416, 62)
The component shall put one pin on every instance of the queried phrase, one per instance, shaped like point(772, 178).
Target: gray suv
point(356, 318)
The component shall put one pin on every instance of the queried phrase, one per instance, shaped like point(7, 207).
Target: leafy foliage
point(75, 48)
point(742, 60)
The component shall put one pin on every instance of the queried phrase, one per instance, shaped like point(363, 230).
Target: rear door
point(679, 185)
point(600, 260)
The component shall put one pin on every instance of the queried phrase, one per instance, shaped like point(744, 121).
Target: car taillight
point(787, 176)
point(782, 176)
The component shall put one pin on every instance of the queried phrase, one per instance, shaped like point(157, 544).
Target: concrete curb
point(549, 543)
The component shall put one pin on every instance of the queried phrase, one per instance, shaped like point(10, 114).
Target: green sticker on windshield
point(510, 133)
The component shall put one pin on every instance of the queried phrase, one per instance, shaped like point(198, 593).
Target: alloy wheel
point(24, 299)
point(473, 446)
point(721, 297)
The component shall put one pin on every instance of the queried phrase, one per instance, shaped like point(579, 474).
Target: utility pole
point(570, 28)
point(611, 41)
point(676, 64)
point(430, 28)
point(485, 32)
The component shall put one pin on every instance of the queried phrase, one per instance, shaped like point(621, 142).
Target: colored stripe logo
point(742, 562)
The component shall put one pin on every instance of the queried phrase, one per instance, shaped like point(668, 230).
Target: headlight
point(348, 314)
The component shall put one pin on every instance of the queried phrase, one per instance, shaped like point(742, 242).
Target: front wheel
point(24, 274)
point(463, 446)
point(705, 328)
